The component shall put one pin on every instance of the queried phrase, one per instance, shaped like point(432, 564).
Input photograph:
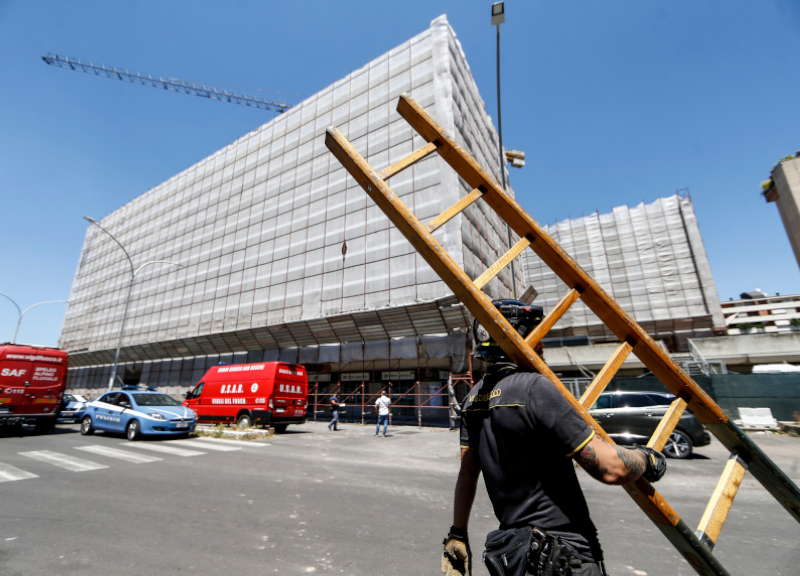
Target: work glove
point(457, 556)
point(656, 463)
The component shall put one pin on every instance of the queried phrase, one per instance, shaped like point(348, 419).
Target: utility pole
point(134, 272)
point(499, 17)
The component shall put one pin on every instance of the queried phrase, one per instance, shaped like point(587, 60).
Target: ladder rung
point(555, 315)
point(659, 438)
point(456, 208)
point(721, 501)
point(409, 160)
point(605, 375)
point(495, 268)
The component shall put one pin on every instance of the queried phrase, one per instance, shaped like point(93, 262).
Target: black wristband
point(458, 533)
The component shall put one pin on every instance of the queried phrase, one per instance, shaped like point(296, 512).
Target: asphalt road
point(313, 501)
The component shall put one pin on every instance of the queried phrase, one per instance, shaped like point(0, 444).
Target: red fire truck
point(263, 394)
point(32, 382)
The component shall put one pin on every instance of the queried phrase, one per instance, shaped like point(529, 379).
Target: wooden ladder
point(697, 546)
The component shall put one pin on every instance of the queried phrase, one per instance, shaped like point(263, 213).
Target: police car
point(74, 408)
point(136, 413)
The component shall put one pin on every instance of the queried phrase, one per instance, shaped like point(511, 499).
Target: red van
point(32, 382)
point(266, 394)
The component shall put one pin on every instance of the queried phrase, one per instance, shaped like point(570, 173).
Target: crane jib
point(171, 84)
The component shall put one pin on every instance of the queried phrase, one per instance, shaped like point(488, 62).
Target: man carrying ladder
point(519, 430)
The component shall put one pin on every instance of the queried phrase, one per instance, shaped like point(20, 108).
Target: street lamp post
point(22, 312)
point(499, 17)
point(134, 272)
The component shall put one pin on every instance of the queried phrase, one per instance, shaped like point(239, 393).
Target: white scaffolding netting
point(260, 226)
point(649, 258)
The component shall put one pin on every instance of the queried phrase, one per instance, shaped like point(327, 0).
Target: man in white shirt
point(382, 406)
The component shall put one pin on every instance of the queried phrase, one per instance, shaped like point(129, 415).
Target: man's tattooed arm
point(611, 464)
point(634, 462)
point(587, 458)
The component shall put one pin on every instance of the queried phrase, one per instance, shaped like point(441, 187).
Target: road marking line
point(204, 445)
point(9, 473)
point(63, 460)
point(119, 454)
point(238, 443)
point(165, 449)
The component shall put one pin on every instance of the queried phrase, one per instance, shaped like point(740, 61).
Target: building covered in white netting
point(285, 257)
point(649, 258)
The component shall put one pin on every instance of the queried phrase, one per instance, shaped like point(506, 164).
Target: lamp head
point(498, 14)
point(90, 219)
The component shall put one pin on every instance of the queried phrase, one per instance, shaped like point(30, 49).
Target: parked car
point(74, 406)
point(264, 394)
point(632, 417)
point(138, 413)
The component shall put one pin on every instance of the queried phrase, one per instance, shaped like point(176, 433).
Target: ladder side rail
point(479, 304)
point(618, 321)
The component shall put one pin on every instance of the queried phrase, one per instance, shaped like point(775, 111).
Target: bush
point(747, 326)
point(766, 184)
point(795, 321)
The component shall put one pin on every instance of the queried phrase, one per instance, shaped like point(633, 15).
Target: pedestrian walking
point(335, 405)
point(382, 406)
point(522, 434)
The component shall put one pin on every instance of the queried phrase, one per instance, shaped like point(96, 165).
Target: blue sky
point(613, 103)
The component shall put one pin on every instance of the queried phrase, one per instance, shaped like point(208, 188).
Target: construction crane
point(171, 84)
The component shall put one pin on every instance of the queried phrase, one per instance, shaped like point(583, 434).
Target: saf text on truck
point(32, 382)
point(264, 394)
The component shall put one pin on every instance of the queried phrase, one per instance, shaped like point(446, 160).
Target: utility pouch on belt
point(507, 551)
point(528, 550)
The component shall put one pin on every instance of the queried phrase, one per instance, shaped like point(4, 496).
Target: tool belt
point(527, 550)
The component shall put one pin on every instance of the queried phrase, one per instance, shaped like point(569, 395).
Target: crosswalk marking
point(63, 460)
point(238, 443)
point(9, 473)
point(204, 445)
point(165, 449)
point(119, 454)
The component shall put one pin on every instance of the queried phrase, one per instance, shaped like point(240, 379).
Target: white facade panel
point(260, 225)
point(650, 258)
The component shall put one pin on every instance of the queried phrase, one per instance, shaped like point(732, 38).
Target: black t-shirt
point(524, 432)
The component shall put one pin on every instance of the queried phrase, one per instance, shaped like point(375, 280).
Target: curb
point(789, 426)
point(259, 434)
